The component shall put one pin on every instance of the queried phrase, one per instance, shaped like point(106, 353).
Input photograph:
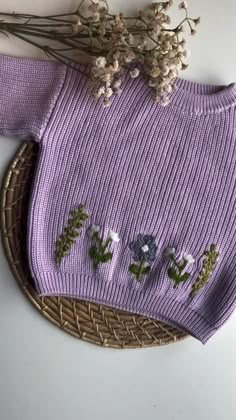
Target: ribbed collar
point(199, 98)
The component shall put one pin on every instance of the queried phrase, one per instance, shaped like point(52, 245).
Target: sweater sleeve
point(29, 89)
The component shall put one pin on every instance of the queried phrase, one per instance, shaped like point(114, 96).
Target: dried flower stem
point(124, 42)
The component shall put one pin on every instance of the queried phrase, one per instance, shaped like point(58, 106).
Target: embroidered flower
point(144, 252)
point(93, 229)
point(189, 258)
point(178, 272)
point(98, 252)
point(113, 236)
point(169, 251)
point(209, 263)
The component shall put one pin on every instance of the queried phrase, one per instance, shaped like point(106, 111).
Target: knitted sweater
point(134, 205)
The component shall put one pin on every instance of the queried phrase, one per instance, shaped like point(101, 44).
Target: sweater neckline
point(194, 98)
point(202, 98)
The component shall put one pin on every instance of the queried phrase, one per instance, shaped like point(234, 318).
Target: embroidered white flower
point(145, 248)
point(113, 236)
point(100, 62)
point(94, 229)
point(189, 258)
point(134, 73)
point(169, 251)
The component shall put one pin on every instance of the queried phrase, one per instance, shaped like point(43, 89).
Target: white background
point(47, 374)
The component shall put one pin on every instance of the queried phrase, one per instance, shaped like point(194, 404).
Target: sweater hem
point(159, 306)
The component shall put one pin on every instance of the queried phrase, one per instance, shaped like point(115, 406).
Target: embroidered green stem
point(139, 269)
point(98, 252)
point(67, 239)
point(209, 263)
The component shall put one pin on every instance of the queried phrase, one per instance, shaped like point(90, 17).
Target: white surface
point(47, 374)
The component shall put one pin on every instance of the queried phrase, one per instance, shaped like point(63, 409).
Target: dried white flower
point(131, 39)
point(100, 92)
point(107, 103)
point(152, 82)
point(113, 236)
point(96, 17)
point(165, 71)
point(134, 73)
point(100, 62)
point(124, 45)
point(129, 56)
point(118, 91)
point(187, 53)
point(168, 89)
point(183, 5)
point(155, 72)
point(197, 21)
point(116, 65)
point(106, 77)
point(117, 83)
point(109, 92)
point(165, 101)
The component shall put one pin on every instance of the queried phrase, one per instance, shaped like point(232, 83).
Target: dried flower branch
point(141, 44)
point(67, 239)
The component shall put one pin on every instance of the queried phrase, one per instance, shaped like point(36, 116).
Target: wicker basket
point(97, 324)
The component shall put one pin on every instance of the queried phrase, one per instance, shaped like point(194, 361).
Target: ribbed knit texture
point(139, 167)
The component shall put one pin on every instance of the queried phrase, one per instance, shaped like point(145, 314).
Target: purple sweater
point(158, 185)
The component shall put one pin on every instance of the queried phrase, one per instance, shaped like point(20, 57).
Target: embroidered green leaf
point(139, 270)
point(67, 239)
point(172, 274)
point(133, 268)
point(146, 270)
point(208, 266)
point(93, 252)
point(106, 257)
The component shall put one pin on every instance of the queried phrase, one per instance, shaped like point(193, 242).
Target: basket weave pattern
point(94, 323)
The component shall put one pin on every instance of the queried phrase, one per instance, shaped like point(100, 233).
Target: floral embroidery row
point(143, 249)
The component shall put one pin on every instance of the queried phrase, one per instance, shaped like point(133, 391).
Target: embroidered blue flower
point(144, 251)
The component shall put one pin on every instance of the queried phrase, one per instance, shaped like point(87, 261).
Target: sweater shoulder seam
point(53, 104)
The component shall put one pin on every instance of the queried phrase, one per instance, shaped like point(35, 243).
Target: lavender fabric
point(141, 169)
